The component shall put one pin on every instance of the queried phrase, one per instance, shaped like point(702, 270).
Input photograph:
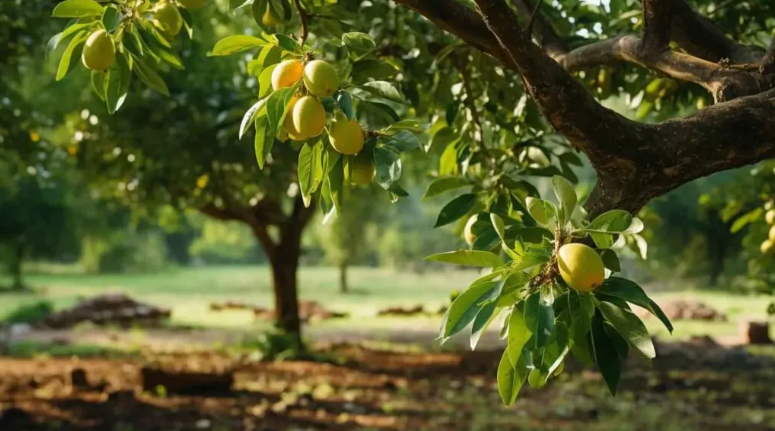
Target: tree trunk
point(284, 281)
point(16, 267)
point(343, 286)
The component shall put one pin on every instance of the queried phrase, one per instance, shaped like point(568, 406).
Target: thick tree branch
point(567, 105)
point(721, 137)
point(460, 20)
point(723, 83)
point(657, 16)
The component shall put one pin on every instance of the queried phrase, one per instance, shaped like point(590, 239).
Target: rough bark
point(635, 162)
point(283, 254)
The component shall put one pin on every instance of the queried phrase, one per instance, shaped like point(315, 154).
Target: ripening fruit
point(772, 234)
point(362, 169)
point(320, 78)
point(767, 246)
point(286, 74)
point(166, 17)
point(309, 117)
point(581, 267)
point(99, 51)
point(191, 4)
point(283, 135)
point(268, 18)
point(770, 217)
point(346, 136)
point(468, 231)
point(288, 126)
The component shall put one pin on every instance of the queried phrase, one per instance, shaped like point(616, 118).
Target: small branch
point(469, 102)
point(533, 13)
point(303, 17)
point(551, 43)
point(658, 16)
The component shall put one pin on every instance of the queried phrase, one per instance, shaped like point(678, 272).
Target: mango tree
point(510, 90)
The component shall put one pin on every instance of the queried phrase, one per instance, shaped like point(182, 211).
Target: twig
point(303, 18)
point(529, 30)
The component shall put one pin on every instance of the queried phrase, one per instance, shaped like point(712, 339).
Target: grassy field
point(190, 291)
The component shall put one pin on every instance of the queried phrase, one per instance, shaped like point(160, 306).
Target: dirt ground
point(692, 386)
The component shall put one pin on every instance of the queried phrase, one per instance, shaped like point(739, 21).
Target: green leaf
point(368, 69)
point(383, 89)
point(455, 209)
point(539, 317)
point(336, 183)
point(306, 172)
point(498, 225)
point(630, 327)
point(555, 351)
point(380, 110)
point(413, 126)
point(441, 185)
point(482, 259)
point(54, 42)
point(566, 195)
point(602, 240)
point(631, 292)
point(445, 136)
point(745, 219)
point(149, 77)
point(345, 102)
point(611, 260)
point(234, 44)
point(250, 116)
point(67, 56)
point(519, 333)
point(359, 44)
point(532, 257)
point(98, 83)
point(265, 81)
point(404, 140)
point(77, 9)
point(465, 307)
point(111, 18)
point(117, 88)
point(286, 42)
point(388, 167)
point(581, 308)
point(537, 209)
point(615, 221)
point(263, 144)
point(534, 234)
point(605, 354)
point(510, 379)
point(277, 107)
point(483, 319)
point(269, 55)
point(158, 45)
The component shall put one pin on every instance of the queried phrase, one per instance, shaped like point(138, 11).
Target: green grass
point(190, 291)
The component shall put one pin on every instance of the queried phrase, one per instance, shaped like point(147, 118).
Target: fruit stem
point(303, 18)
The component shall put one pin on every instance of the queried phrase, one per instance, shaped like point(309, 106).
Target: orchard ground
point(378, 373)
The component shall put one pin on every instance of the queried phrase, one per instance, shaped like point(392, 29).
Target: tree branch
point(657, 16)
point(552, 44)
point(701, 38)
point(567, 105)
point(303, 17)
point(724, 83)
point(724, 136)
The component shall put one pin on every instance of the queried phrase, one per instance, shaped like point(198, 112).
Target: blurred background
point(130, 296)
